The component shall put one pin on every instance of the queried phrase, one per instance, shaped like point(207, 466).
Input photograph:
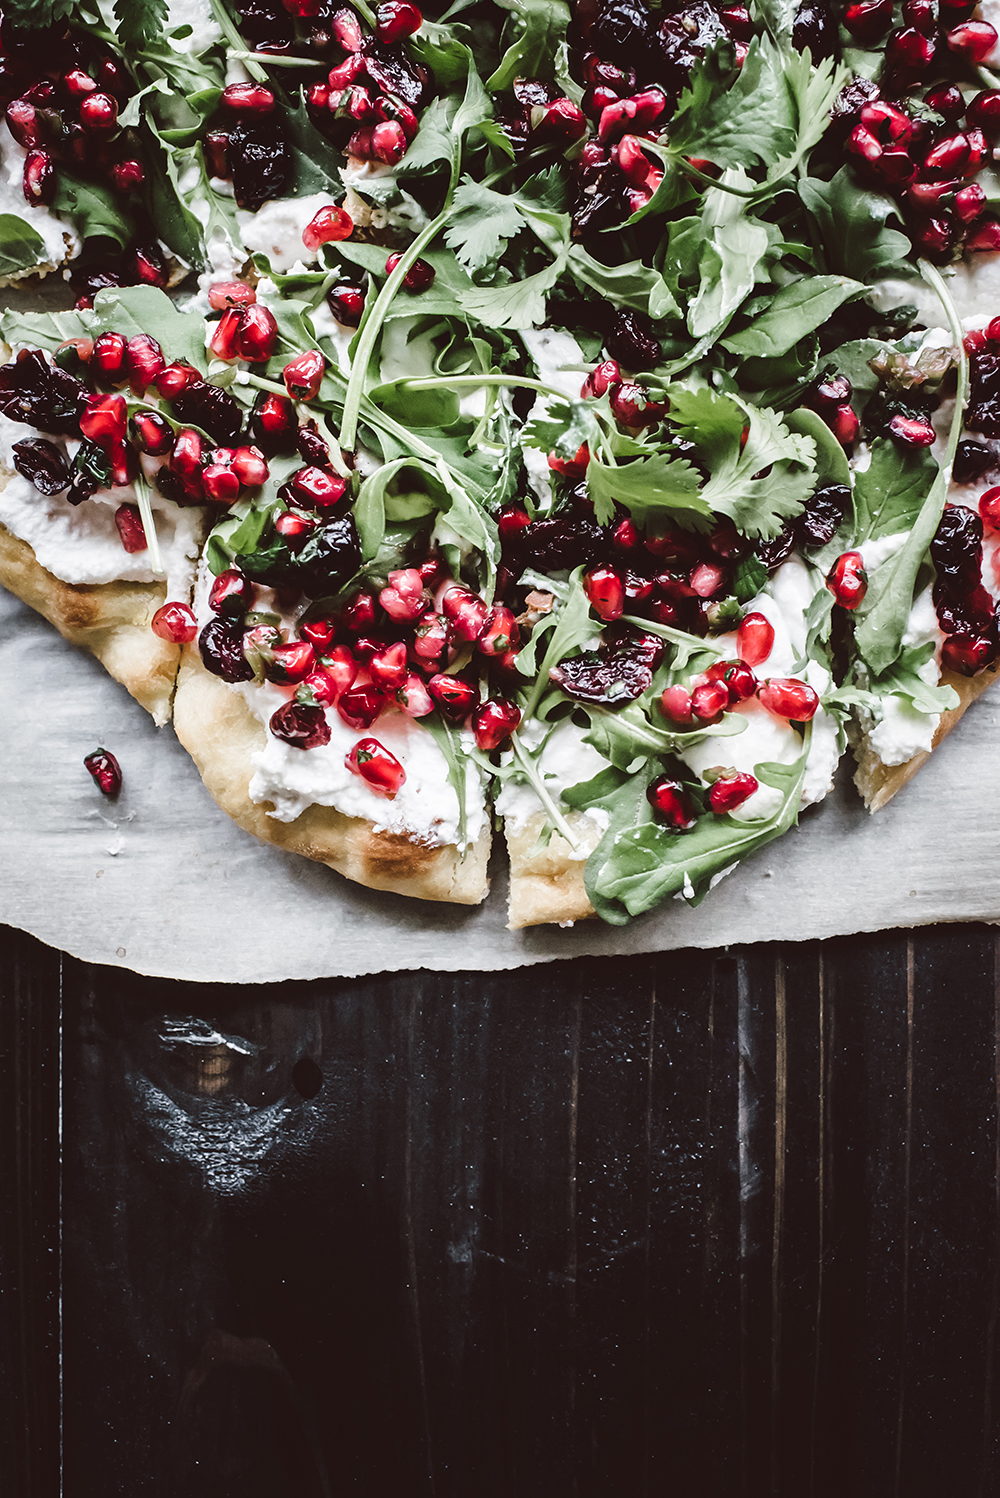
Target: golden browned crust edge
point(218, 730)
point(878, 783)
point(546, 884)
point(111, 620)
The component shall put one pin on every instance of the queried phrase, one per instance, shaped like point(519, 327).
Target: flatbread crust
point(219, 731)
point(111, 620)
point(877, 782)
point(546, 882)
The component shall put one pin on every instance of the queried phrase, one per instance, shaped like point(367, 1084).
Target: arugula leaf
point(140, 21)
point(639, 862)
point(832, 466)
point(627, 739)
point(21, 247)
point(539, 26)
point(854, 228)
point(886, 607)
point(797, 309)
point(658, 490)
point(757, 502)
point(903, 680)
point(567, 628)
point(92, 209)
point(732, 248)
point(317, 165)
point(449, 741)
point(631, 285)
point(889, 494)
point(737, 122)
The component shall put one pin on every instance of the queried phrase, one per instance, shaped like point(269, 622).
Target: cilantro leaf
point(736, 123)
point(889, 494)
point(539, 26)
point(37, 13)
point(813, 86)
point(519, 304)
point(758, 483)
point(658, 490)
point(797, 309)
point(481, 221)
point(140, 21)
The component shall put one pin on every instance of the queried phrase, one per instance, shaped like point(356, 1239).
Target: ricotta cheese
point(60, 239)
point(276, 229)
point(80, 543)
point(565, 761)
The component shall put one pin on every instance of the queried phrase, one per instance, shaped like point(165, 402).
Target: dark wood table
point(690, 1224)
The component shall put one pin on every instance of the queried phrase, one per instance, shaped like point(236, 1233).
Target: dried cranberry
point(260, 161)
point(330, 557)
point(563, 541)
point(822, 515)
point(221, 646)
point(42, 394)
point(815, 29)
point(973, 460)
point(773, 553)
point(610, 679)
point(300, 724)
point(211, 408)
point(42, 464)
point(393, 73)
point(631, 341)
point(957, 547)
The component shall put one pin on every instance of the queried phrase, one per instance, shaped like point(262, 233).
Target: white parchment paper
point(162, 882)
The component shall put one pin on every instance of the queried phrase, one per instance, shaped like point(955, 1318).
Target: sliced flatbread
point(546, 880)
point(878, 782)
point(219, 731)
point(111, 620)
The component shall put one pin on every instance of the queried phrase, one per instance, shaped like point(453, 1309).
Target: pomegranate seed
point(419, 276)
point(936, 234)
point(319, 632)
point(124, 465)
point(105, 420)
point(709, 700)
point(24, 124)
point(632, 407)
point(456, 698)
point(494, 722)
point(829, 393)
point(923, 14)
point(861, 142)
point(596, 100)
point(868, 19)
point(948, 157)
point(984, 236)
point(293, 529)
point(431, 639)
point(98, 113)
point(637, 587)
point(347, 303)
point(232, 593)
point(303, 375)
point(989, 509)
point(736, 19)
point(983, 112)
point(500, 633)
point(360, 614)
point(847, 580)
point(110, 356)
point(318, 488)
point(435, 570)
point(886, 122)
point(562, 121)
point(972, 40)
point(77, 83)
point(928, 195)
point(301, 724)
point(844, 425)
point(174, 379)
point(256, 334)
point(672, 801)
point(360, 144)
point(676, 704)
point(345, 73)
point(338, 670)
point(247, 98)
point(360, 706)
point(328, 225)
point(603, 378)
point(979, 152)
point(220, 484)
point(466, 611)
point(130, 529)
point(145, 361)
point(128, 175)
point(754, 639)
point(787, 697)
point(105, 771)
point(910, 52)
point(148, 267)
point(947, 101)
point(153, 433)
point(896, 167)
point(730, 791)
point(346, 31)
point(389, 145)
point(249, 466)
point(216, 145)
point(967, 654)
point(175, 622)
point(274, 424)
point(969, 203)
point(395, 111)
point(38, 178)
point(405, 599)
point(292, 662)
point(389, 669)
point(225, 295)
point(414, 698)
point(707, 578)
point(395, 20)
point(570, 468)
point(736, 677)
point(371, 760)
point(911, 432)
point(604, 588)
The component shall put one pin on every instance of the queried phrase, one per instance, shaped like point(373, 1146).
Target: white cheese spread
point(60, 239)
point(275, 230)
point(552, 351)
point(565, 761)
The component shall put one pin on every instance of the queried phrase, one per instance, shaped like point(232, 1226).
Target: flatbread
point(219, 731)
point(546, 881)
point(111, 620)
point(877, 782)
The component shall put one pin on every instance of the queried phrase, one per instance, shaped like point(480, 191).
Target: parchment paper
point(162, 882)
